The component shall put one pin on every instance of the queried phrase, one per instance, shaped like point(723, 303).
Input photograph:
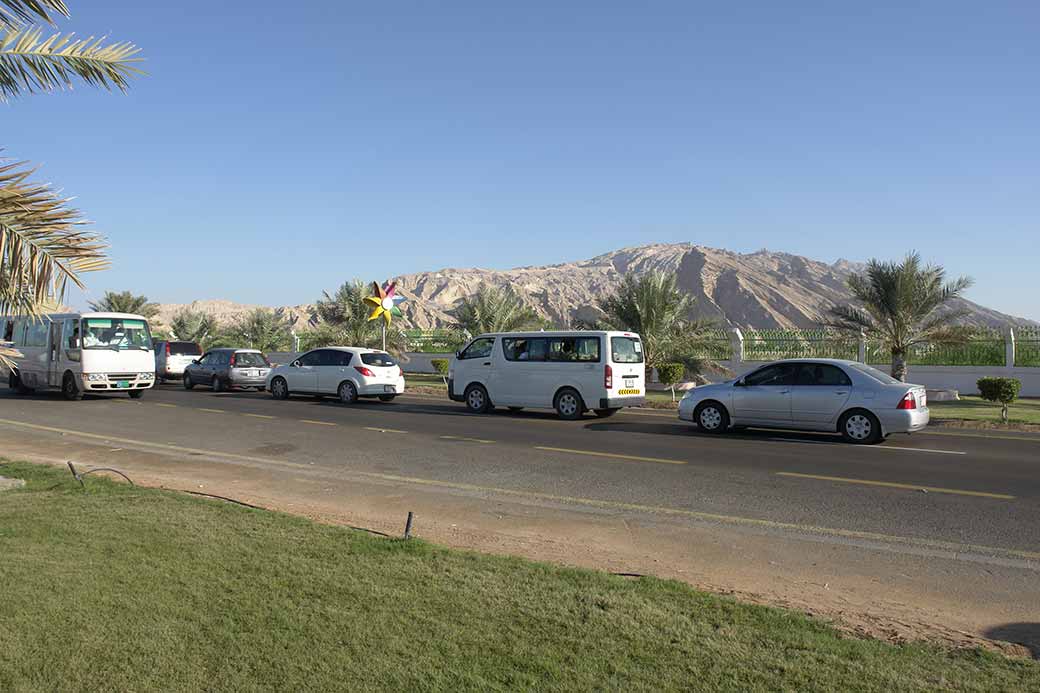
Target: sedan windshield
point(116, 334)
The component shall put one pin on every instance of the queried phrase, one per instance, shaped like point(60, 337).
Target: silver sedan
point(860, 402)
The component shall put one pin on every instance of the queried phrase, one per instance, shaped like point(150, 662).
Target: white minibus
point(79, 353)
point(571, 372)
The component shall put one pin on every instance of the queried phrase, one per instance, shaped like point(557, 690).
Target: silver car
point(860, 402)
point(223, 369)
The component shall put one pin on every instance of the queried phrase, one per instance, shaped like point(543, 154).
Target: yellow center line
point(164, 404)
point(891, 484)
point(468, 440)
point(259, 416)
point(383, 430)
point(212, 411)
point(611, 455)
point(317, 423)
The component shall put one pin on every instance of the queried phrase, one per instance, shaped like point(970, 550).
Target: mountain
point(762, 289)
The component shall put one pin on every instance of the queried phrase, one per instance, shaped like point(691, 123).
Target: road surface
point(936, 529)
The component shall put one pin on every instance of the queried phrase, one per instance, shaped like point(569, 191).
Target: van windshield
point(626, 350)
point(116, 334)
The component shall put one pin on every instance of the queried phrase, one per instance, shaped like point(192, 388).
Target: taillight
point(167, 348)
point(233, 360)
point(908, 402)
point(608, 377)
point(364, 371)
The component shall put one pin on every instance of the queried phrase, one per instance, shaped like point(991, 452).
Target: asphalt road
point(959, 491)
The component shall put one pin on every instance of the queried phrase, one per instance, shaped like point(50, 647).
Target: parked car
point(171, 358)
point(348, 372)
point(570, 372)
point(862, 403)
point(223, 369)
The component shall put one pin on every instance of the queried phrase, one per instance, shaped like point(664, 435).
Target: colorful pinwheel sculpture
point(385, 301)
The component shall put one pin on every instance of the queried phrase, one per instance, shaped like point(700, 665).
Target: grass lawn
point(122, 588)
point(978, 409)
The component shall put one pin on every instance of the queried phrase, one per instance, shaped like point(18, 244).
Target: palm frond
point(15, 13)
point(43, 244)
point(30, 63)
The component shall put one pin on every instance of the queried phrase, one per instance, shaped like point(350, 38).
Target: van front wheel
point(477, 400)
point(569, 404)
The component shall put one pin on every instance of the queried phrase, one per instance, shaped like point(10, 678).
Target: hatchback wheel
point(711, 417)
point(188, 383)
point(477, 400)
point(387, 398)
point(279, 388)
point(347, 392)
point(218, 384)
point(860, 426)
point(569, 405)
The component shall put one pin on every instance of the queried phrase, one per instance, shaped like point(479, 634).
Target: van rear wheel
point(15, 383)
point(569, 405)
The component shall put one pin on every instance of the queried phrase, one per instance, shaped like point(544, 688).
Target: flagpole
point(384, 336)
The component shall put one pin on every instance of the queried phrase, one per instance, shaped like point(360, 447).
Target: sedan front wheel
point(711, 417)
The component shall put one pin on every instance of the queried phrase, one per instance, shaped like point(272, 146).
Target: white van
point(571, 372)
point(80, 352)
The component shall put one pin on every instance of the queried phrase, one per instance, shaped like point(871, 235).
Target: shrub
point(670, 374)
point(441, 366)
point(1002, 390)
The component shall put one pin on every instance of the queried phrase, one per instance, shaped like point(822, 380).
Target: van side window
point(525, 349)
point(71, 334)
point(584, 349)
point(478, 349)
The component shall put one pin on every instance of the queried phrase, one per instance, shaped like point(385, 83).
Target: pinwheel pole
point(384, 300)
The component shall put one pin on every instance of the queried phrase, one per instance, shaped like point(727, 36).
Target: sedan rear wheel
point(711, 417)
point(860, 426)
point(188, 383)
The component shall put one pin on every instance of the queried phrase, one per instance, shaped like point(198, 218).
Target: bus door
point(54, 352)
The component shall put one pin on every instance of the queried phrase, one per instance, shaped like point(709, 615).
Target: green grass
point(122, 588)
point(978, 409)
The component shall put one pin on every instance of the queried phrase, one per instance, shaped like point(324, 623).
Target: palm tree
point(262, 328)
point(125, 302)
point(901, 305)
point(491, 309)
point(342, 320)
point(43, 242)
point(192, 326)
point(654, 306)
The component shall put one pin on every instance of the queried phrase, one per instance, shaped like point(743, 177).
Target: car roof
point(358, 350)
point(833, 362)
point(235, 349)
point(560, 333)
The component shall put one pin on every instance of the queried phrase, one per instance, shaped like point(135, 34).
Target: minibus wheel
point(69, 389)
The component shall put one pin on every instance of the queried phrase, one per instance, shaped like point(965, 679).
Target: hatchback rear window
point(184, 348)
point(377, 359)
point(626, 350)
point(250, 359)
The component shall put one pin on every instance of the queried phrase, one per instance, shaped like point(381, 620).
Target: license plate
point(630, 383)
point(389, 388)
point(123, 383)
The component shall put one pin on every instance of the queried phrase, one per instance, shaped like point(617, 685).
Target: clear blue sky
point(278, 148)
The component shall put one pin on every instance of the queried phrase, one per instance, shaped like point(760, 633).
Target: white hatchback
point(348, 372)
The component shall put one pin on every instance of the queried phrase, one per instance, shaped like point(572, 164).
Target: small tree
point(1001, 390)
point(671, 373)
point(441, 366)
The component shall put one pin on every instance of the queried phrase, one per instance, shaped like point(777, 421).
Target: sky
point(275, 150)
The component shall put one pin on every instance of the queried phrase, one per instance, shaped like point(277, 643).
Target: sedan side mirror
point(295, 364)
point(194, 360)
point(740, 383)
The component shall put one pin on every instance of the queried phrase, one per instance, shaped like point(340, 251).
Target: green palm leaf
point(30, 63)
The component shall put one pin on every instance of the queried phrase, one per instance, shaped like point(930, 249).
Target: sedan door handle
point(841, 392)
point(487, 363)
point(785, 392)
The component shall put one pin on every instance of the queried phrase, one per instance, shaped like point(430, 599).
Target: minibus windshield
point(116, 334)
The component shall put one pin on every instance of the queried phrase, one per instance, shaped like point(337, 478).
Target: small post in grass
point(408, 526)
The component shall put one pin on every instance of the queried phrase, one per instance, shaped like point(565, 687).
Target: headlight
point(146, 376)
point(95, 377)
